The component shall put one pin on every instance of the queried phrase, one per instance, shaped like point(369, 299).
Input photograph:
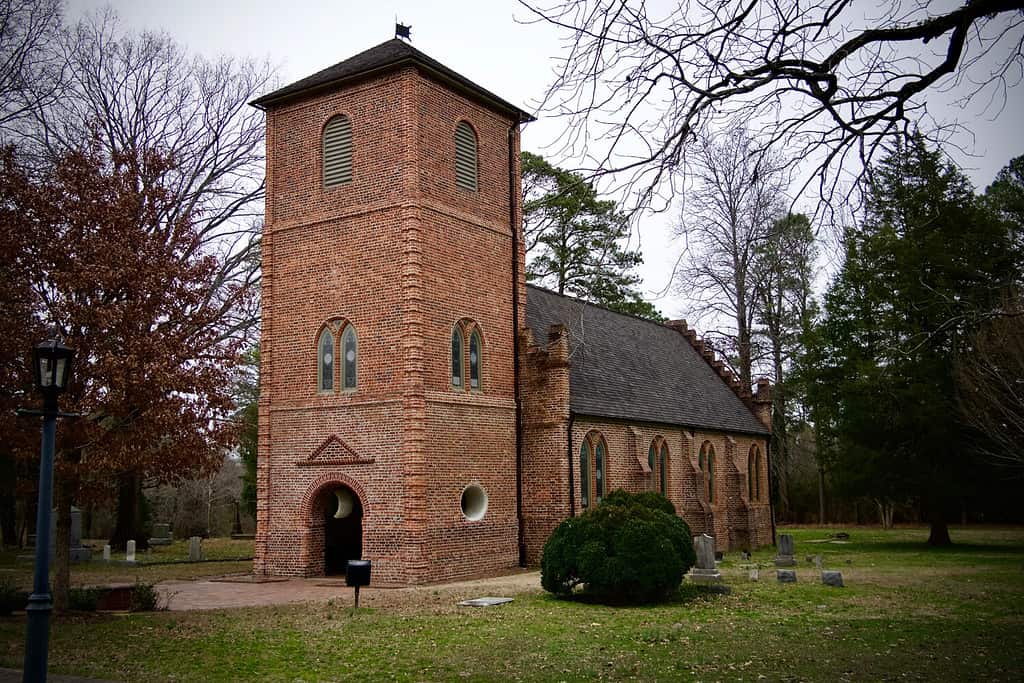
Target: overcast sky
point(480, 39)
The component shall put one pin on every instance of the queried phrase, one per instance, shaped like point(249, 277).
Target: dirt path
point(225, 594)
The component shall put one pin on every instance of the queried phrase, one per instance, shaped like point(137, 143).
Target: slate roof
point(629, 368)
point(389, 55)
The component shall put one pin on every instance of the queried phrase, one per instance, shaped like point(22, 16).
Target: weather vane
point(403, 31)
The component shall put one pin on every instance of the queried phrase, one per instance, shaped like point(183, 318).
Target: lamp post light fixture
point(51, 363)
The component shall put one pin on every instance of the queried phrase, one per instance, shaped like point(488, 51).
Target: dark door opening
point(343, 535)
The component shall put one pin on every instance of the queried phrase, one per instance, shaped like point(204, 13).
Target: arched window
point(467, 355)
point(585, 474)
point(706, 461)
point(465, 156)
point(337, 151)
point(457, 380)
point(325, 360)
point(350, 347)
point(663, 469)
point(754, 474)
point(474, 360)
point(593, 455)
point(657, 460)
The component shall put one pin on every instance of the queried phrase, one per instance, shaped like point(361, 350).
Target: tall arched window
point(754, 474)
point(337, 332)
point(337, 151)
point(593, 455)
point(706, 461)
point(457, 379)
point(657, 460)
point(585, 456)
point(465, 156)
point(663, 469)
point(467, 355)
point(474, 360)
point(325, 360)
point(350, 349)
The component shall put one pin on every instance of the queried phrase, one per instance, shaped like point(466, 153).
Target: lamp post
point(51, 363)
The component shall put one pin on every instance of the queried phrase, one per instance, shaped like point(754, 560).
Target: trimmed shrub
point(631, 548)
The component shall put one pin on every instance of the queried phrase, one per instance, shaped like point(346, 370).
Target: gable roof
point(392, 54)
point(629, 368)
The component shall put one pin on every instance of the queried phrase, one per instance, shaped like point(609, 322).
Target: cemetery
point(904, 610)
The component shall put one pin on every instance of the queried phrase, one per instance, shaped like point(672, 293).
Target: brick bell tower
point(392, 290)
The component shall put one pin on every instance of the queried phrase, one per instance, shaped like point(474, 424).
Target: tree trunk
point(62, 546)
point(938, 535)
point(129, 513)
point(821, 494)
point(8, 501)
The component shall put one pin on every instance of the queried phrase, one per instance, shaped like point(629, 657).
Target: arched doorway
point(343, 529)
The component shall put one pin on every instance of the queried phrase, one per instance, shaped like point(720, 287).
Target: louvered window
point(337, 151)
point(465, 156)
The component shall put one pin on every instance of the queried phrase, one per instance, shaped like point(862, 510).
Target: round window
point(474, 502)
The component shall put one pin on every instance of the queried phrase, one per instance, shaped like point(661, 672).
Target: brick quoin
point(402, 254)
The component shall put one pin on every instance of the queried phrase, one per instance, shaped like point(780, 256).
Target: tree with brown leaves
point(126, 288)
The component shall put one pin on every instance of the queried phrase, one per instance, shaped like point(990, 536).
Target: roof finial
point(403, 31)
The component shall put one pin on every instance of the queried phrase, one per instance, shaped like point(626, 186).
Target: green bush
point(631, 548)
point(145, 598)
point(84, 599)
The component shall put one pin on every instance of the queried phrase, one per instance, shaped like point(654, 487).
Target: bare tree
point(728, 213)
point(830, 79)
point(29, 66)
point(143, 93)
point(784, 269)
point(990, 389)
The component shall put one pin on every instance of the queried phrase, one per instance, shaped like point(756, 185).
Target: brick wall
point(401, 253)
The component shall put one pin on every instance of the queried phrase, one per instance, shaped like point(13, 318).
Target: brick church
point(421, 406)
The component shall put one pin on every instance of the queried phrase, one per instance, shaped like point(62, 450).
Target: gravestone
point(129, 555)
point(831, 578)
point(106, 553)
point(161, 534)
point(705, 571)
point(754, 574)
point(785, 557)
point(817, 562)
point(785, 575)
point(79, 553)
point(195, 549)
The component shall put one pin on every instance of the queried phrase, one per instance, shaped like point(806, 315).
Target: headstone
point(195, 549)
point(830, 578)
point(785, 557)
point(817, 562)
point(785, 575)
point(484, 602)
point(745, 554)
point(754, 574)
point(161, 534)
point(79, 553)
point(705, 570)
point(106, 553)
point(130, 554)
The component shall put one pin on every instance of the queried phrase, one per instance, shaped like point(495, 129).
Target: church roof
point(392, 54)
point(629, 368)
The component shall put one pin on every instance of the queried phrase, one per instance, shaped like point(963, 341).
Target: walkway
point(234, 592)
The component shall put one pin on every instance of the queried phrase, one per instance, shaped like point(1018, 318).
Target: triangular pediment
point(334, 451)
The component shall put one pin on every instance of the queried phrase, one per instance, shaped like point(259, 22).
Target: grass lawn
point(159, 563)
point(908, 613)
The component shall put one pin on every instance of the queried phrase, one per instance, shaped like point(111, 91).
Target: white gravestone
point(195, 549)
point(106, 553)
point(130, 554)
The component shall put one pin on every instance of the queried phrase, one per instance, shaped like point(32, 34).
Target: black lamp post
point(51, 363)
